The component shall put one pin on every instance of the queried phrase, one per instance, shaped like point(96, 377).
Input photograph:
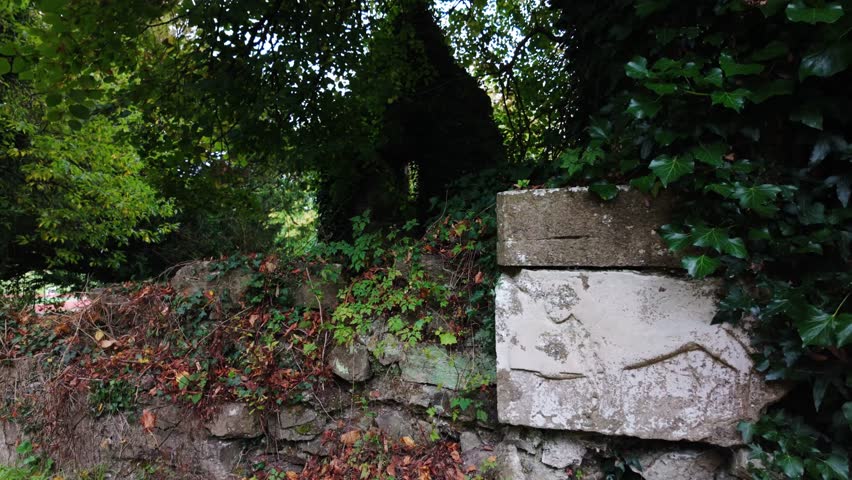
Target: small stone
point(217, 458)
point(526, 439)
point(508, 461)
point(234, 420)
point(741, 461)
point(691, 464)
point(350, 363)
point(562, 451)
point(295, 415)
point(469, 441)
point(387, 349)
point(397, 424)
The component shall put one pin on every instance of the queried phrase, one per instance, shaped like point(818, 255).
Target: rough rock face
point(234, 420)
point(622, 353)
point(433, 365)
point(573, 227)
point(691, 464)
point(350, 363)
point(8, 437)
point(200, 277)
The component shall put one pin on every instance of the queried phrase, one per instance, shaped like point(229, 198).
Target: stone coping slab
point(574, 228)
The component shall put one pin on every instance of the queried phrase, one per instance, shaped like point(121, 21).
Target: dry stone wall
point(603, 352)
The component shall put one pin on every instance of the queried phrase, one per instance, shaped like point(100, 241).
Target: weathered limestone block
point(575, 228)
point(351, 363)
point(296, 423)
point(234, 420)
point(692, 464)
point(9, 437)
point(434, 365)
point(621, 353)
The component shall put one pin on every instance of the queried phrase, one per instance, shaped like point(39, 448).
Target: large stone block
point(622, 353)
point(575, 228)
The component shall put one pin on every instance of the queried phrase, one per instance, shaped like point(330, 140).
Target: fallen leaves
point(370, 454)
point(148, 420)
point(349, 438)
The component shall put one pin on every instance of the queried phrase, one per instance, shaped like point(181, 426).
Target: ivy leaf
point(637, 68)
point(844, 334)
point(642, 107)
point(700, 266)
point(710, 154)
point(647, 7)
point(644, 184)
point(839, 464)
point(734, 100)
point(818, 391)
point(792, 466)
point(808, 115)
point(661, 88)
point(735, 247)
point(761, 93)
point(676, 240)
point(732, 68)
point(759, 198)
point(847, 412)
point(843, 186)
point(709, 237)
point(747, 430)
point(5, 66)
point(828, 13)
point(828, 62)
point(599, 129)
point(714, 77)
point(668, 169)
point(816, 327)
point(773, 49)
point(605, 190)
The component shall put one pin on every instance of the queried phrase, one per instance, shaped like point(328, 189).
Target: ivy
point(740, 109)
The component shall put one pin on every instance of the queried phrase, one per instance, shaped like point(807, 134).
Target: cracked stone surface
point(691, 464)
point(234, 420)
point(350, 363)
point(622, 353)
point(572, 227)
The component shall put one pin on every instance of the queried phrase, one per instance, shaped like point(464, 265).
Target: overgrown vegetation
point(136, 135)
point(741, 109)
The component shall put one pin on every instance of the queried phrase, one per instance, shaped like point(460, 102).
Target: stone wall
point(596, 332)
point(604, 352)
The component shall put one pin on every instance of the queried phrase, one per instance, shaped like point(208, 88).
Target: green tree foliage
point(72, 192)
point(742, 110)
point(271, 88)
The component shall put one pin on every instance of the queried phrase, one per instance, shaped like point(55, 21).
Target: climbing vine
point(740, 110)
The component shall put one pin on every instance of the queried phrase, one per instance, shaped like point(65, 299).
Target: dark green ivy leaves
point(819, 328)
point(827, 62)
point(799, 11)
point(669, 168)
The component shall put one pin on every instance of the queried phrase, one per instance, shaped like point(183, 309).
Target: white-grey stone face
point(622, 353)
